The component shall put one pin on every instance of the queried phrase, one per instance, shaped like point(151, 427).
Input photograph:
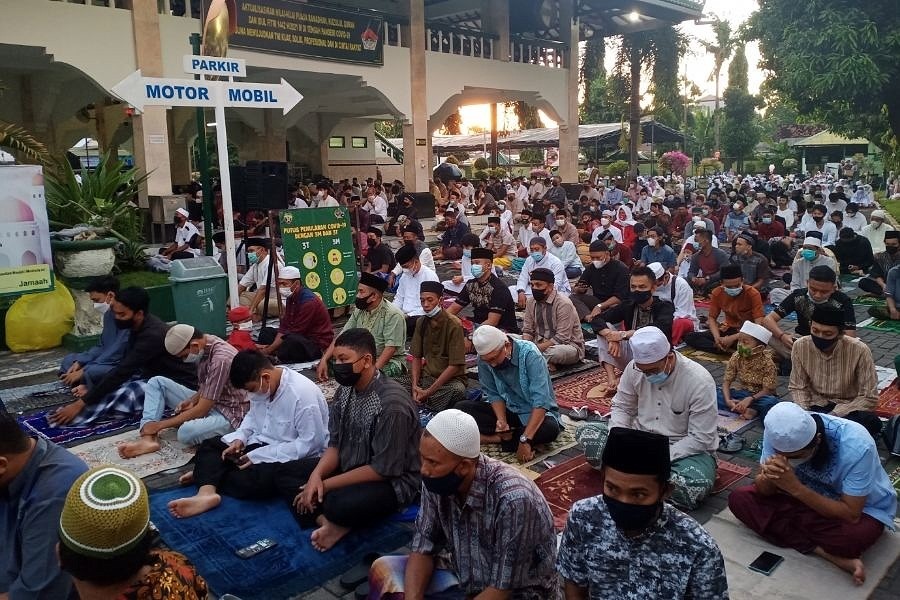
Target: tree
point(740, 131)
point(526, 114)
point(390, 129)
point(452, 124)
point(836, 61)
point(668, 104)
point(17, 138)
point(721, 50)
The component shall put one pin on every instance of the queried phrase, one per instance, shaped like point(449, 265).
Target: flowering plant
point(674, 162)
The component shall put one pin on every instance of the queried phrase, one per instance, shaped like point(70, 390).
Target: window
point(336, 141)
point(359, 142)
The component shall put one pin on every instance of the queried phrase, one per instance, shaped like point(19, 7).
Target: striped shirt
point(502, 536)
point(213, 374)
point(846, 376)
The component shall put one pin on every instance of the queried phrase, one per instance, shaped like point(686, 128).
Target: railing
point(190, 9)
point(392, 33)
point(545, 53)
point(464, 42)
point(389, 148)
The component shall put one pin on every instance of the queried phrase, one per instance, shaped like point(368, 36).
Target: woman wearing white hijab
point(625, 222)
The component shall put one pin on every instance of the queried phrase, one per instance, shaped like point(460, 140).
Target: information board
point(319, 242)
point(300, 29)
point(25, 257)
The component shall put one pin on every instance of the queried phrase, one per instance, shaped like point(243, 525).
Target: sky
point(697, 63)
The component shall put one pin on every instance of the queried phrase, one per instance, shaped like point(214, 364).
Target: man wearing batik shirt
point(493, 520)
point(629, 543)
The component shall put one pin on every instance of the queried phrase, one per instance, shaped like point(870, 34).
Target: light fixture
point(213, 124)
point(634, 16)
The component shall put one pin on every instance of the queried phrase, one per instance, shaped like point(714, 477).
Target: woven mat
point(701, 355)
point(565, 441)
point(586, 389)
point(19, 400)
point(733, 422)
point(880, 325)
point(171, 454)
point(888, 402)
point(727, 474)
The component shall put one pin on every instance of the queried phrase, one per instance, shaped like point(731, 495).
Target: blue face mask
point(467, 253)
point(477, 271)
point(252, 258)
point(658, 378)
point(537, 256)
point(808, 254)
point(734, 291)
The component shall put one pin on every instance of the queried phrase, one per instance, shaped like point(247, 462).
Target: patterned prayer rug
point(171, 454)
point(22, 399)
point(733, 422)
point(37, 424)
point(585, 389)
point(888, 402)
point(565, 484)
point(563, 371)
point(701, 355)
point(880, 325)
point(565, 441)
point(727, 474)
point(868, 301)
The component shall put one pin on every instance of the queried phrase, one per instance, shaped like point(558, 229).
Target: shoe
point(731, 443)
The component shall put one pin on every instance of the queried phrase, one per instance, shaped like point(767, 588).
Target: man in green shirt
point(386, 322)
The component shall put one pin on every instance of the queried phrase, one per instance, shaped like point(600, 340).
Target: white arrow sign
point(140, 91)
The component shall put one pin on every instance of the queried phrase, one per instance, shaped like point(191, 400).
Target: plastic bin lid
point(188, 269)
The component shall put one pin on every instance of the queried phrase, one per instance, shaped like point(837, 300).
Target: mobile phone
point(256, 547)
point(765, 563)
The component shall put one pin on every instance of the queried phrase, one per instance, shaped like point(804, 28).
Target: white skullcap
point(657, 269)
point(178, 337)
point(487, 338)
point(457, 432)
point(183, 212)
point(788, 427)
point(812, 241)
point(879, 214)
point(288, 273)
point(649, 345)
point(757, 332)
point(700, 224)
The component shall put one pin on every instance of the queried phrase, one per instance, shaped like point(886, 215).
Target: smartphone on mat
point(256, 547)
point(765, 563)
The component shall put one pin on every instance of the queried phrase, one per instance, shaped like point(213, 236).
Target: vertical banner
point(25, 257)
point(319, 242)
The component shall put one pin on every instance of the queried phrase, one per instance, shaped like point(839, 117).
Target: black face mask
point(345, 375)
point(823, 344)
point(642, 296)
point(409, 242)
point(125, 323)
point(632, 517)
point(446, 485)
point(892, 249)
point(539, 295)
point(361, 303)
point(372, 243)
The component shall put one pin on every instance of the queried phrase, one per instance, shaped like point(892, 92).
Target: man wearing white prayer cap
point(493, 520)
point(810, 255)
point(664, 392)
point(518, 408)
point(821, 488)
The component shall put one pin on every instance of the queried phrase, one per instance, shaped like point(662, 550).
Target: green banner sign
point(318, 241)
point(300, 29)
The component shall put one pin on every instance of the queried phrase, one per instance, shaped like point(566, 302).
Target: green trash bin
point(199, 289)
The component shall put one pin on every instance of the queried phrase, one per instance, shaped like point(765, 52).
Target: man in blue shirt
point(736, 221)
point(92, 365)
point(821, 488)
point(657, 250)
point(519, 409)
point(35, 476)
point(451, 240)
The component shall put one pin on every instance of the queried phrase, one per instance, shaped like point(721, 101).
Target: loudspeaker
point(238, 189)
point(265, 185)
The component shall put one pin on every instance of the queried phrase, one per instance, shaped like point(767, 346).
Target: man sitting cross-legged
point(287, 422)
point(212, 411)
point(371, 466)
point(628, 542)
point(494, 522)
point(821, 488)
point(552, 323)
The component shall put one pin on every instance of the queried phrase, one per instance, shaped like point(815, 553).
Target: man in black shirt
point(380, 258)
point(603, 284)
point(883, 262)
point(853, 252)
point(491, 301)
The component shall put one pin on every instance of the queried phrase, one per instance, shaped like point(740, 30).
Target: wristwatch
point(524, 439)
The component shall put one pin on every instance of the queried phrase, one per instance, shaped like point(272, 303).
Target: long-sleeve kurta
point(845, 376)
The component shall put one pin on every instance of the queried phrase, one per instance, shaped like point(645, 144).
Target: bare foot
point(552, 368)
point(327, 535)
point(749, 414)
point(186, 478)
point(145, 445)
point(854, 566)
point(193, 506)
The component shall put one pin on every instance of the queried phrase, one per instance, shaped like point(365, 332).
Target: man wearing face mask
point(263, 457)
point(211, 411)
point(603, 284)
point(121, 391)
point(754, 266)
point(739, 302)
point(821, 488)
point(876, 230)
point(92, 365)
point(664, 392)
point(305, 329)
point(854, 219)
point(607, 226)
point(371, 466)
point(678, 291)
point(414, 273)
point(500, 241)
point(833, 373)
point(552, 323)
point(379, 256)
point(437, 377)
point(876, 281)
point(518, 409)
point(810, 256)
point(557, 193)
point(186, 235)
point(562, 225)
point(656, 250)
point(256, 277)
point(488, 295)
point(819, 223)
point(493, 521)
point(410, 238)
point(853, 253)
point(677, 558)
point(539, 258)
point(567, 253)
point(707, 261)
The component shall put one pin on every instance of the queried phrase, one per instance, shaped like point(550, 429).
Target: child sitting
point(753, 365)
point(242, 325)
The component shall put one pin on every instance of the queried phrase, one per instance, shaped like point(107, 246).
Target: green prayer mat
point(868, 301)
point(880, 325)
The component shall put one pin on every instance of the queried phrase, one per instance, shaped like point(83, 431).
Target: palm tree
point(18, 138)
point(721, 50)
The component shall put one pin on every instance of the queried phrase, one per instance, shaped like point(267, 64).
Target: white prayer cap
point(182, 211)
point(649, 345)
point(657, 269)
point(178, 337)
point(701, 224)
point(879, 214)
point(288, 273)
point(757, 332)
point(457, 432)
point(788, 427)
point(487, 338)
point(812, 241)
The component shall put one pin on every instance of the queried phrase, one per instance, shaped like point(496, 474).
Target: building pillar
point(568, 130)
point(416, 157)
point(273, 141)
point(497, 23)
point(151, 131)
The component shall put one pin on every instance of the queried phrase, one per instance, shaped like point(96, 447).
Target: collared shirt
point(496, 241)
point(184, 235)
point(502, 536)
point(683, 407)
point(799, 301)
point(675, 559)
point(875, 235)
point(522, 386)
point(755, 372)
point(567, 254)
point(305, 314)
point(845, 376)
point(29, 522)
point(440, 341)
point(884, 262)
point(554, 319)
point(109, 350)
point(659, 314)
point(754, 267)
point(387, 323)
point(293, 423)
point(453, 236)
point(609, 280)
point(407, 298)
point(661, 254)
point(547, 262)
point(490, 296)
point(257, 273)
point(801, 267)
point(378, 427)
point(682, 298)
point(215, 384)
point(746, 306)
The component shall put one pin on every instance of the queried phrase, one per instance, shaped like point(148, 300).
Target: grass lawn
point(893, 207)
point(143, 279)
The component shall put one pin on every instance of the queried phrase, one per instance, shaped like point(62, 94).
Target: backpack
point(891, 434)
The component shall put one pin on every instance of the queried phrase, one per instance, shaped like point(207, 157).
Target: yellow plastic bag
point(39, 321)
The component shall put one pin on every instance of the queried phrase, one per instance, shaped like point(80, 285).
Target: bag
point(891, 434)
point(39, 321)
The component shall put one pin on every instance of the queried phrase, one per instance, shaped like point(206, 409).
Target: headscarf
point(629, 218)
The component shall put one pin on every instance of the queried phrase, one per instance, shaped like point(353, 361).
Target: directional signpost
point(140, 91)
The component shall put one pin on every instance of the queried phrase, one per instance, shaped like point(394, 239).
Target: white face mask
point(651, 242)
point(491, 229)
point(101, 307)
point(604, 221)
point(248, 326)
point(599, 264)
point(285, 292)
point(560, 222)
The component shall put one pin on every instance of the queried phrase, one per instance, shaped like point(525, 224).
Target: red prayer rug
point(727, 474)
point(888, 402)
point(585, 389)
point(565, 484)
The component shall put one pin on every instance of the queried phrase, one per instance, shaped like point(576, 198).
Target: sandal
point(731, 443)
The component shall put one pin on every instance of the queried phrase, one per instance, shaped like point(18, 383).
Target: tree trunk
point(716, 114)
point(634, 121)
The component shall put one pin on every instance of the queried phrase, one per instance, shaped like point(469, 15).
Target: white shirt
point(525, 235)
point(876, 235)
point(425, 257)
point(840, 205)
point(379, 207)
point(300, 203)
point(256, 275)
point(294, 423)
point(856, 222)
point(828, 231)
point(684, 297)
point(545, 233)
point(567, 254)
point(788, 215)
point(536, 190)
point(615, 231)
point(407, 296)
point(548, 262)
point(521, 196)
point(183, 237)
point(329, 201)
point(642, 205)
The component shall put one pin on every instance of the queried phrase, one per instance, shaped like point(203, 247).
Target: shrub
point(617, 168)
point(674, 162)
point(481, 163)
point(480, 174)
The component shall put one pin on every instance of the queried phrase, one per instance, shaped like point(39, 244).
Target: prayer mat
point(888, 402)
point(886, 376)
point(868, 301)
point(15, 365)
point(880, 325)
point(562, 371)
point(585, 389)
point(37, 424)
point(701, 302)
point(565, 484)
point(733, 422)
point(895, 478)
point(172, 453)
point(727, 474)
point(26, 398)
point(702, 355)
point(211, 539)
point(564, 441)
point(800, 576)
